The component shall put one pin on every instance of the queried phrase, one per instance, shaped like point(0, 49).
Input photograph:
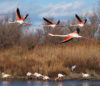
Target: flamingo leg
point(27, 24)
point(87, 38)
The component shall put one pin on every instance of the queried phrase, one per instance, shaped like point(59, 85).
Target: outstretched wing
point(69, 38)
point(78, 19)
point(25, 17)
point(49, 22)
point(18, 14)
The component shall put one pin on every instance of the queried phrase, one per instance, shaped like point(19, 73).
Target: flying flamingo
point(80, 22)
point(70, 36)
point(20, 20)
point(73, 67)
point(53, 25)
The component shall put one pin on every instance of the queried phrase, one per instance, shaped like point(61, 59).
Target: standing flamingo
point(53, 25)
point(5, 76)
point(70, 36)
point(20, 20)
point(80, 22)
point(46, 78)
point(60, 76)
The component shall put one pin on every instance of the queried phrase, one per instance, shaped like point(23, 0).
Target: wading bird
point(46, 78)
point(80, 22)
point(5, 75)
point(60, 76)
point(37, 75)
point(85, 75)
point(73, 67)
point(20, 20)
point(70, 36)
point(53, 25)
point(29, 74)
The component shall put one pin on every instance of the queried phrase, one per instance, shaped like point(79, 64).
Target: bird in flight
point(20, 20)
point(51, 24)
point(70, 36)
point(80, 22)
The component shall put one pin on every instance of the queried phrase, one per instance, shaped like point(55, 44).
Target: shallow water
point(51, 83)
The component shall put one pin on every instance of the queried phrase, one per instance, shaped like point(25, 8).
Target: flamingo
point(46, 78)
point(70, 36)
point(53, 25)
point(5, 75)
point(73, 67)
point(80, 22)
point(60, 76)
point(20, 20)
point(85, 75)
point(29, 74)
point(37, 75)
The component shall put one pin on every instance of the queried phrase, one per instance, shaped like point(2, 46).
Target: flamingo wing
point(18, 14)
point(85, 21)
point(49, 22)
point(78, 30)
point(69, 38)
point(25, 17)
point(78, 19)
point(58, 22)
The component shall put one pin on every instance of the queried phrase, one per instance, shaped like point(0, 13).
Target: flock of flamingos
point(70, 36)
point(37, 75)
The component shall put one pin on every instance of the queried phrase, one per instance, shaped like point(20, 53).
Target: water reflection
point(60, 83)
point(29, 83)
point(86, 84)
point(5, 83)
point(51, 83)
point(45, 84)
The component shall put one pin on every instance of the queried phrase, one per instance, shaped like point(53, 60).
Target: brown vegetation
point(51, 59)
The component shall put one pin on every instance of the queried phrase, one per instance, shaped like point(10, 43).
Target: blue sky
point(59, 9)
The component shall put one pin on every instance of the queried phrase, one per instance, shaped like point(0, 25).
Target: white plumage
point(60, 75)
point(29, 74)
point(46, 78)
point(73, 67)
point(85, 75)
point(37, 74)
point(5, 75)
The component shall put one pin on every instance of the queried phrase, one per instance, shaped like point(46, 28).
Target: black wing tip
point(85, 20)
point(76, 15)
point(17, 8)
point(27, 14)
point(44, 18)
point(58, 22)
point(78, 30)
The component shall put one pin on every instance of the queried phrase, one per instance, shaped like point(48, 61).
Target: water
point(51, 83)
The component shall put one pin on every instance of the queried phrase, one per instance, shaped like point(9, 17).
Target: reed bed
point(51, 59)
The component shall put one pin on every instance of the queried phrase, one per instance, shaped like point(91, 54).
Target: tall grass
point(51, 59)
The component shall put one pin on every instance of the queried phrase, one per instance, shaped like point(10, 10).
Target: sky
point(59, 9)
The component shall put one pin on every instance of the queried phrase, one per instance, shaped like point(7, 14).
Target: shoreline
point(52, 79)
